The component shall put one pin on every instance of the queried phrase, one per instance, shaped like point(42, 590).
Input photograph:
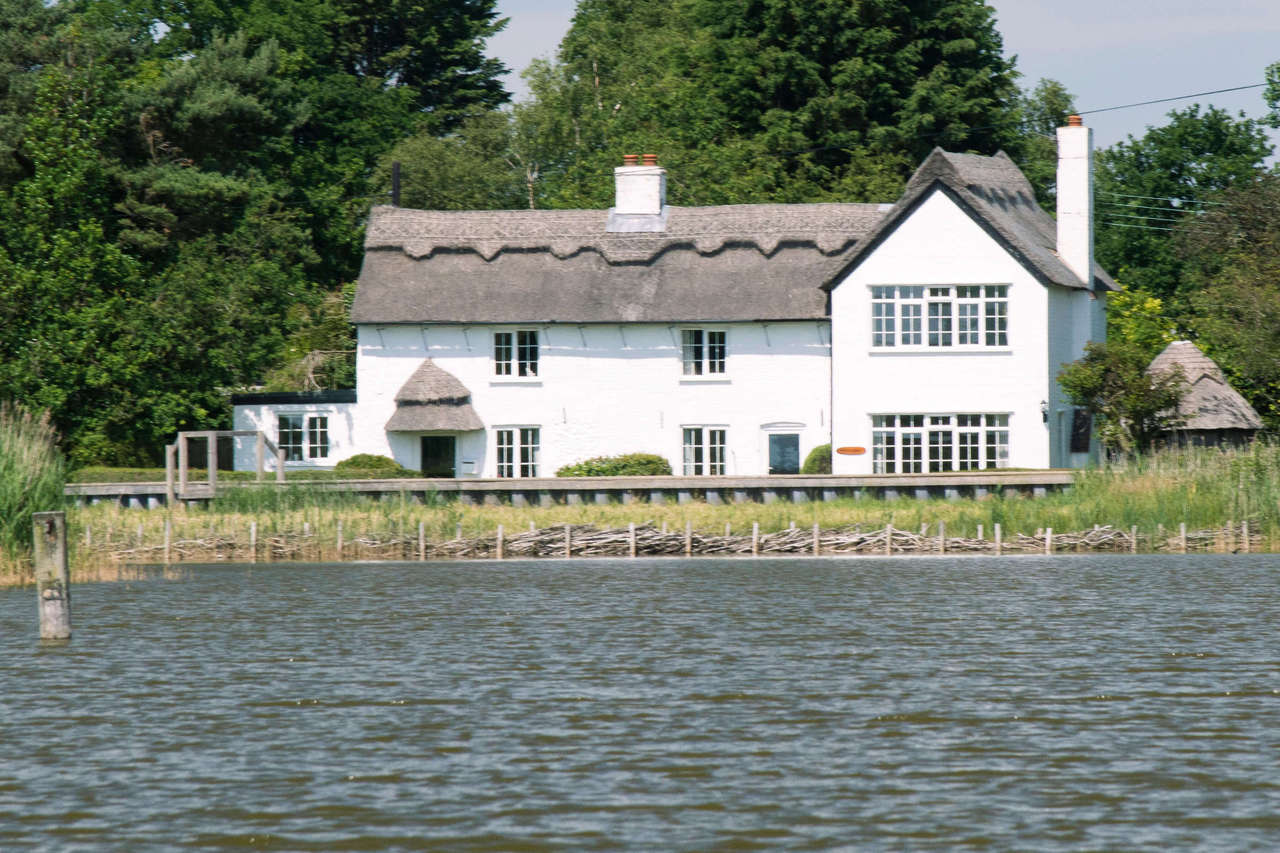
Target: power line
point(1124, 205)
point(1160, 198)
point(1167, 100)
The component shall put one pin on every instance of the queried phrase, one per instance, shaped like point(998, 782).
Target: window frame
point(516, 354)
point(704, 450)
point(517, 451)
point(704, 353)
point(308, 441)
point(939, 317)
point(939, 443)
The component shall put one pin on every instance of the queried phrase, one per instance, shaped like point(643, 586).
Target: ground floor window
point(703, 451)
point(913, 444)
point(518, 452)
point(303, 436)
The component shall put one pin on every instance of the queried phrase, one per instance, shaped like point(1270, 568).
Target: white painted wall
point(940, 244)
point(607, 389)
point(264, 418)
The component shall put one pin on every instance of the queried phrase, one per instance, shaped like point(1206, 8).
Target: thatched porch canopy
point(433, 400)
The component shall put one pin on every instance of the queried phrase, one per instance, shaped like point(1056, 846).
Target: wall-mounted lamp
point(1044, 410)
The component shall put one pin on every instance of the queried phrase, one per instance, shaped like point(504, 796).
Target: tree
point(1137, 318)
point(1040, 113)
point(1232, 257)
point(781, 101)
point(1147, 186)
point(1132, 407)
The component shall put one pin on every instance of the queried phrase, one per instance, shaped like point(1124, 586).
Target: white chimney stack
point(1075, 198)
point(641, 188)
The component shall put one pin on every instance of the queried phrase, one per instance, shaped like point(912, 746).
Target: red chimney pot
point(651, 159)
point(630, 159)
point(1075, 121)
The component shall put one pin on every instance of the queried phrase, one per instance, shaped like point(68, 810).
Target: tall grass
point(32, 474)
point(1204, 487)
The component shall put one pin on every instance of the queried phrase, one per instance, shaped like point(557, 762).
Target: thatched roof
point(996, 193)
point(433, 399)
point(725, 263)
point(1210, 403)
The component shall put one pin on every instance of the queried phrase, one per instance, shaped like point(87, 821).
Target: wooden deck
point(545, 491)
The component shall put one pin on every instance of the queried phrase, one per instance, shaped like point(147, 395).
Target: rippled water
point(1012, 703)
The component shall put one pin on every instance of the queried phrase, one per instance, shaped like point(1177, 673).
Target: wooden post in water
point(498, 546)
point(1229, 543)
point(568, 541)
point(253, 542)
point(980, 537)
point(1182, 537)
point(1133, 539)
point(999, 542)
point(422, 541)
point(1048, 540)
point(1244, 536)
point(339, 540)
point(53, 580)
point(942, 537)
point(817, 540)
point(688, 538)
point(755, 539)
point(631, 539)
point(168, 539)
point(727, 529)
point(888, 539)
point(457, 531)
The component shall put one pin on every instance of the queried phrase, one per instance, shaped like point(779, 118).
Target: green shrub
point(371, 465)
point(32, 474)
point(818, 461)
point(627, 465)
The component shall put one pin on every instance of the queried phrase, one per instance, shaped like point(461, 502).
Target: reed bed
point(1217, 494)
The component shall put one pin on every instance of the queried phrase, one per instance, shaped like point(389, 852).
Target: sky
point(1106, 52)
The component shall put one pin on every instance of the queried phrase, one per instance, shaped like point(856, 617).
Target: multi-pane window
point(703, 351)
point(955, 442)
point(289, 437)
point(515, 353)
point(703, 451)
point(518, 452)
point(940, 315)
point(303, 436)
point(318, 436)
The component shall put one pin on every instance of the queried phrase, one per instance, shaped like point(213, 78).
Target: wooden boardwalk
point(546, 491)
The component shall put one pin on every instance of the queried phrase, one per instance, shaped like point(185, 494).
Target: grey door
point(438, 452)
point(784, 453)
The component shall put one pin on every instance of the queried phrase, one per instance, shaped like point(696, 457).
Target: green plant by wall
point(32, 473)
point(366, 464)
point(627, 465)
point(818, 461)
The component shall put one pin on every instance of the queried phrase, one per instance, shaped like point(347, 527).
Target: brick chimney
point(1075, 198)
point(640, 189)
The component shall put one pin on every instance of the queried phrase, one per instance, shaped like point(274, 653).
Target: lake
point(1047, 703)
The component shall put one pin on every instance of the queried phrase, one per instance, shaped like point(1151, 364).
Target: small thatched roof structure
point(1211, 404)
point(433, 400)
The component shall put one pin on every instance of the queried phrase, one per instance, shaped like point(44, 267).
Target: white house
point(920, 336)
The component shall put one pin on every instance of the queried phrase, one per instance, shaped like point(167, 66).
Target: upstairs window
point(515, 353)
point(703, 351)
point(940, 316)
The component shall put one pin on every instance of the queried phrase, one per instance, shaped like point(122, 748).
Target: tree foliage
point(1131, 406)
point(1147, 186)
point(183, 184)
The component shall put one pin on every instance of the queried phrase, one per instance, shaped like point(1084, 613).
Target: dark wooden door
point(438, 452)
point(784, 454)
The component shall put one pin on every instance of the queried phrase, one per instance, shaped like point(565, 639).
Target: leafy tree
point(1137, 318)
point(1131, 406)
point(1232, 257)
point(1040, 113)
point(1146, 186)
point(777, 101)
